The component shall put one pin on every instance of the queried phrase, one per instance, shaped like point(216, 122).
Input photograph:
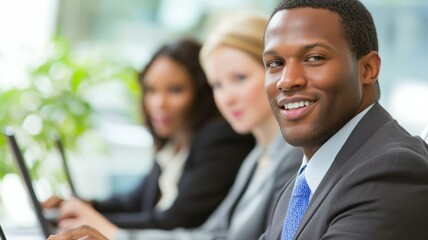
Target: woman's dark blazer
point(215, 156)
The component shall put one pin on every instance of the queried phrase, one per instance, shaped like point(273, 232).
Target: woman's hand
point(80, 232)
point(52, 202)
point(76, 212)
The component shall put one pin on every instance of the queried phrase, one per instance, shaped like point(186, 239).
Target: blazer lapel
point(373, 120)
point(223, 212)
point(152, 194)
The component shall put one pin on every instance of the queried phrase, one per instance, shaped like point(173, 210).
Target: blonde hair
point(244, 31)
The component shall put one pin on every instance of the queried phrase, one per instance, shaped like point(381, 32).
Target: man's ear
point(369, 67)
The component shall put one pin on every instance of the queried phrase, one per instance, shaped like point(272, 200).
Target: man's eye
point(273, 64)
point(315, 58)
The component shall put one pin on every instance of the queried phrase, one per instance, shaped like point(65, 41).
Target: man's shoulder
point(371, 187)
point(392, 138)
point(379, 136)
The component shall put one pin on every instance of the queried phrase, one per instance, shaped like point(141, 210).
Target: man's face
point(312, 79)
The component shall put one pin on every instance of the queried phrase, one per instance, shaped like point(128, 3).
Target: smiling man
point(363, 176)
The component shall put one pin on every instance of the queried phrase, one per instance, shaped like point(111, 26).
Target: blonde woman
point(231, 58)
point(194, 145)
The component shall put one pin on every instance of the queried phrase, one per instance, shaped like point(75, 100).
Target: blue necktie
point(296, 208)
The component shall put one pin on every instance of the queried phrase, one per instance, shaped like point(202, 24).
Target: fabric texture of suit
point(376, 188)
point(285, 161)
point(215, 156)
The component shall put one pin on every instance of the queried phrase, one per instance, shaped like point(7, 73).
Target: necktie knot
point(297, 206)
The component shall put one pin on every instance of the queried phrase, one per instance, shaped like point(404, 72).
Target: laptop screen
point(65, 165)
point(46, 226)
point(2, 236)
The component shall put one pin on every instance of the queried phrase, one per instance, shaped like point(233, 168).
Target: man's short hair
point(357, 23)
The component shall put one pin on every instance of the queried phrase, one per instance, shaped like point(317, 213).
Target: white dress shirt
point(321, 161)
point(171, 164)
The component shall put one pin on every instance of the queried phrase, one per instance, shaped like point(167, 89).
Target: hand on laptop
point(76, 212)
point(80, 232)
point(52, 202)
point(55, 202)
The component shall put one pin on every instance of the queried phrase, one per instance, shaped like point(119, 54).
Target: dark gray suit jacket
point(376, 188)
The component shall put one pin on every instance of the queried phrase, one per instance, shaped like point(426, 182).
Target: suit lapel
point(152, 194)
point(242, 185)
point(373, 120)
point(223, 212)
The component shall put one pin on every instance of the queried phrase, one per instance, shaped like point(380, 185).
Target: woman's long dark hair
point(186, 53)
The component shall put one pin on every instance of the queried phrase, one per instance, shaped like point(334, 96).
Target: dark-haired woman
point(197, 152)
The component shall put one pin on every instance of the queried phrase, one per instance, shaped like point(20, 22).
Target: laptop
point(45, 217)
point(65, 165)
point(2, 236)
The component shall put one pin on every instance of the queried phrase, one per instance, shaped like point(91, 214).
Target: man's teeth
point(295, 105)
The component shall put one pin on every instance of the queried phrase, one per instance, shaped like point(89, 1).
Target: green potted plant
point(54, 101)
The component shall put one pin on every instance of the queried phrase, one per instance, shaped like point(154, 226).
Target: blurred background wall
point(131, 30)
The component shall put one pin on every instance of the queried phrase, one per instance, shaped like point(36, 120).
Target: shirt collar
point(324, 157)
point(168, 153)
